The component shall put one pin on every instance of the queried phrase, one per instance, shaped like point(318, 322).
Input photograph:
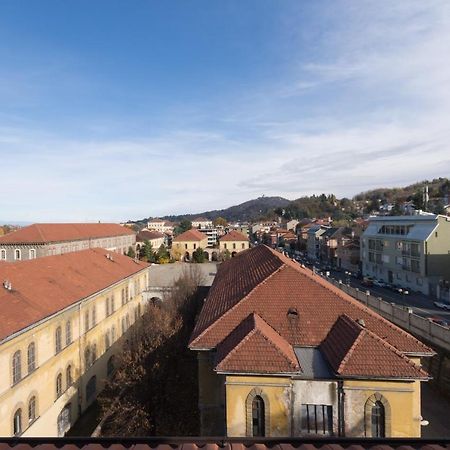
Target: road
point(421, 304)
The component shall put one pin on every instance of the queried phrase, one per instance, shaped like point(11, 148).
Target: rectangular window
point(317, 419)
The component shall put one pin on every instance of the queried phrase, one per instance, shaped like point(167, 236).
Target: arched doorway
point(214, 256)
point(233, 254)
point(258, 416)
point(156, 301)
point(187, 257)
point(206, 254)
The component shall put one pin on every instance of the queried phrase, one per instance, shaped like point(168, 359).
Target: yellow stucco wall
point(276, 393)
point(402, 407)
point(180, 248)
point(234, 246)
point(41, 382)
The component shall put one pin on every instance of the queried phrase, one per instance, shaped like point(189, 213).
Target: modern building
point(186, 243)
point(412, 252)
point(45, 239)
point(212, 234)
point(234, 242)
point(282, 352)
point(62, 319)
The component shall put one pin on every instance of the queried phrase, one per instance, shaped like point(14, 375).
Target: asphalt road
point(421, 304)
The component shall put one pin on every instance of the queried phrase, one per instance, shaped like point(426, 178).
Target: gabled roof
point(60, 232)
point(267, 283)
point(44, 286)
point(240, 350)
point(233, 235)
point(148, 235)
point(354, 351)
point(190, 235)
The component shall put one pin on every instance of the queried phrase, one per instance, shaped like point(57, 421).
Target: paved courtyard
point(435, 409)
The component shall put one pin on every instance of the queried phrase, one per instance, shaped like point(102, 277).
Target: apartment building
point(160, 225)
point(412, 252)
point(63, 319)
point(313, 247)
point(201, 222)
point(45, 239)
point(282, 352)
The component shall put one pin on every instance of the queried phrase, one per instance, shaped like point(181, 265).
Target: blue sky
point(114, 110)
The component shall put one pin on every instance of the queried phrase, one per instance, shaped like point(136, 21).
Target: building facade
point(63, 321)
point(186, 243)
point(234, 242)
point(282, 352)
point(201, 222)
point(46, 239)
point(412, 252)
point(154, 237)
point(160, 225)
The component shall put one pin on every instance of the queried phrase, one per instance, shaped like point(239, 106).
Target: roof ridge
point(229, 311)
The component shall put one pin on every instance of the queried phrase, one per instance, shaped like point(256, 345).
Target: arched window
point(32, 409)
point(378, 420)
point(87, 358)
point(123, 296)
point(31, 353)
point(32, 253)
point(68, 332)
point(110, 366)
point(91, 388)
point(377, 416)
point(123, 325)
point(59, 385)
point(64, 420)
point(113, 334)
point(17, 422)
point(69, 379)
point(258, 416)
point(17, 367)
point(127, 320)
point(17, 254)
point(58, 344)
point(3, 254)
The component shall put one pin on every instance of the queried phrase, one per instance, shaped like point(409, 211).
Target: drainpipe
point(341, 408)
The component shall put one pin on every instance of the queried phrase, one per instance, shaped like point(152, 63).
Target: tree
point(220, 221)
point(198, 256)
point(225, 255)
point(162, 255)
point(131, 253)
point(184, 225)
point(147, 252)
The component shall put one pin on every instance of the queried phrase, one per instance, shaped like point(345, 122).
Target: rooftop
point(234, 235)
point(60, 232)
point(42, 287)
point(190, 235)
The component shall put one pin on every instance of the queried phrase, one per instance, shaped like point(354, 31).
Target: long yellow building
point(61, 321)
point(282, 352)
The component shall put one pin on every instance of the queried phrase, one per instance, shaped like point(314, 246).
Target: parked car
point(399, 289)
point(367, 281)
point(379, 283)
point(439, 321)
point(442, 305)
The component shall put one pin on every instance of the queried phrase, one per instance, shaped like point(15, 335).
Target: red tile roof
point(240, 351)
point(352, 351)
point(147, 235)
point(269, 284)
point(44, 286)
point(190, 235)
point(61, 232)
point(233, 235)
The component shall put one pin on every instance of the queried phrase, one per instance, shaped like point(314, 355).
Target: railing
point(434, 334)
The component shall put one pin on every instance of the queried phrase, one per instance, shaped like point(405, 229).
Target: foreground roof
point(43, 286)
point(299, 305)
point(59, 232)
point(190, 235)
point(224, 443)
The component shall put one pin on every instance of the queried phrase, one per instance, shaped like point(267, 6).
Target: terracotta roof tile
point(190, 235)
point(233, 235)
point(240, 351)
point(44, 286)
point(352, 351)
point(147, 235)
point(61, 232)
point(263, 281)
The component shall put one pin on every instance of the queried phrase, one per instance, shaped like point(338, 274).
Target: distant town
point(313, 317)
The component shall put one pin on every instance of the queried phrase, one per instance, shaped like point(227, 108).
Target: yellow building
point(186, 243)
point(234, 242)
point(62, 320)
point(282, 352)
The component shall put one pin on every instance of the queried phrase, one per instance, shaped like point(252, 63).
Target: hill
point(259, 208)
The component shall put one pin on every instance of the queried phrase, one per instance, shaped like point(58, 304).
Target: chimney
point(361, 322)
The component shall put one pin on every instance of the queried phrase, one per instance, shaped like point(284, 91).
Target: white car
point(441, 305)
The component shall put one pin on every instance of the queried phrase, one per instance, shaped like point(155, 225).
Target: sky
point(114, 110)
